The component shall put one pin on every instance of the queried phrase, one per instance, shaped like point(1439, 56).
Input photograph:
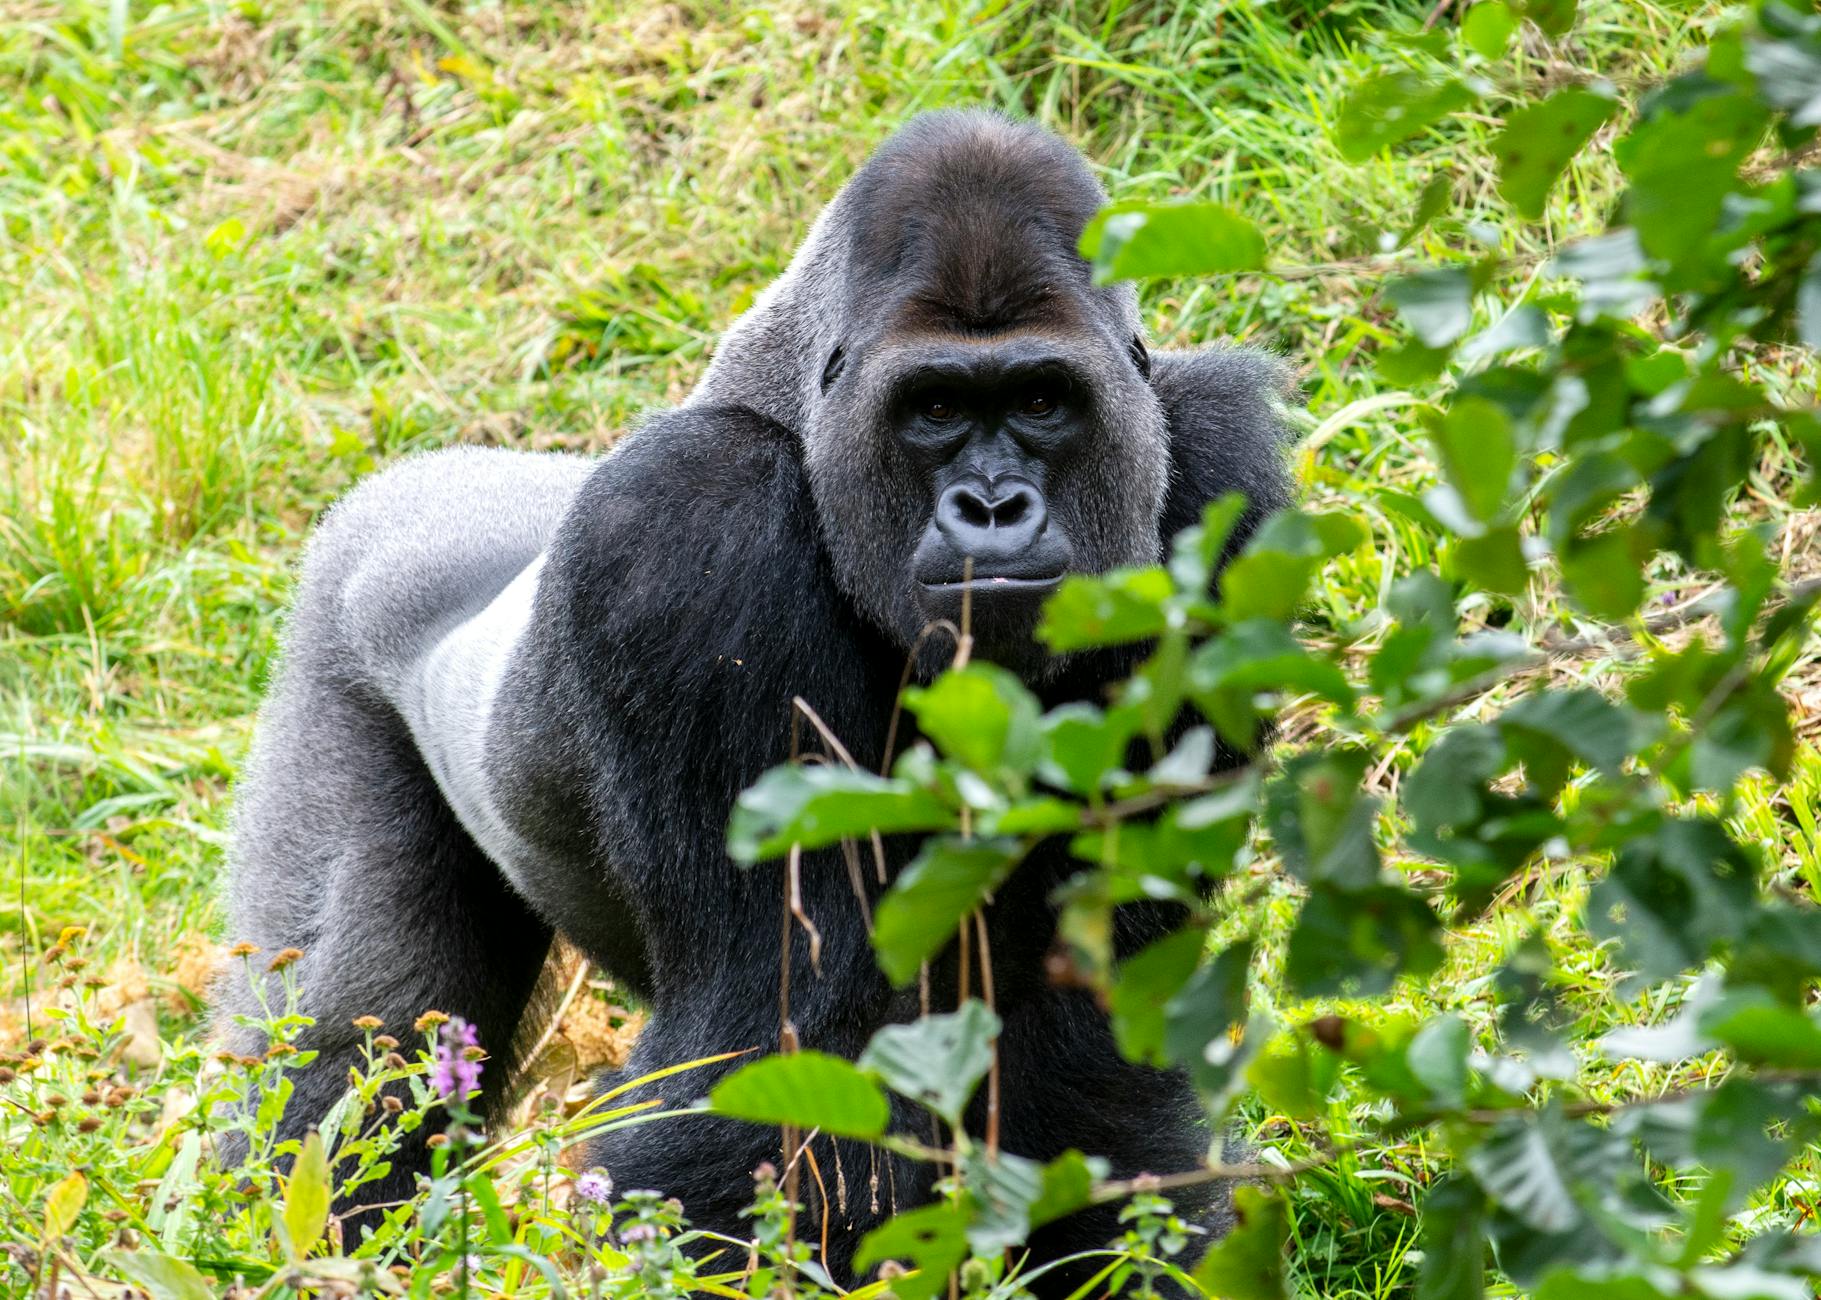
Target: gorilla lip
point(1001, 583)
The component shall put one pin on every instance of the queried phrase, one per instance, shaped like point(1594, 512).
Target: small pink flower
point(453, 1073)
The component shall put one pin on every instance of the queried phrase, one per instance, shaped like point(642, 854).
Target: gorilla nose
point(991, 520)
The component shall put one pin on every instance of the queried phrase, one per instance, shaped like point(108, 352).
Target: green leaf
point(1068, 1185)
point(1270, 578)
point(307, 1197)
point(937, 1060)
point(1762, 1031)
point(165, 1277)
point(980, 715)
point(1493, 561)
point(63, 1203)
point(947, 880)
point(1788, 70)
point(1117, 608)
point(1356, 942)
point(1000, 1191)
point(1454, 1242)
point(1196, 551)
point(931, 1239)
point(808, 1089)
point(1437, 1056)
point(1539, 141)
point(1293, 1077)
point(1478, 453)
point(1248, 1263)
point(1487, 28)
point(1131, 241)
point(1084, 747)
point(1436, 305)
point(1320, 820)
point(1197, 1020)
point(1393, 107)
point(1143, 984)
point(1430, 204)
point(819, 805)
point(1605, 573)
point(1533, 1166)
point(1553, 17)
point(1583, 722)
point(1682, 161)
point(1808, 305)
point(1671, 899)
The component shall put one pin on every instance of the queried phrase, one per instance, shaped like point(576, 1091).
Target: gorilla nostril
point(991, 521)
point(973, 510)
point(1010, 510)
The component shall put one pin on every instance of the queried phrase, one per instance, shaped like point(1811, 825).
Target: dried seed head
point(385, 1042)
point(437, 1140)
point(393, 1061)
point(367, 1024)
point(392, 1104)
point(89, 1124)
point(280, 1049)
point(91, 1098)
point(243, 949)
point(430, 1020)
point(286, 957)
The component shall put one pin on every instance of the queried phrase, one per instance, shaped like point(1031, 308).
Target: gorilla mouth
point(993, 585)
point(999, 601)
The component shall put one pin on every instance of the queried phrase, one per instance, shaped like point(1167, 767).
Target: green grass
point(247, 253)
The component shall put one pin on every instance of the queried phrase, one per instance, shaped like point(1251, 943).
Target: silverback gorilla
point(520, 692)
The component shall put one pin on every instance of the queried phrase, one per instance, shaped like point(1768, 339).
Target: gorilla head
point(969, 401)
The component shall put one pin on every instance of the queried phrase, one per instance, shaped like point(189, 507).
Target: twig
point(821, 1190)
point(992, 1072)
point(802, 707)
point(793, 875)
point(1657, 625)
point(562, 1009)
point(910, 666)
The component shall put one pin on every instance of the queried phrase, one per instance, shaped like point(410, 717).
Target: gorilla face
point(985, 425)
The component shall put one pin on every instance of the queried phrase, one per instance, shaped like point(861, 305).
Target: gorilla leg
point(362, 865)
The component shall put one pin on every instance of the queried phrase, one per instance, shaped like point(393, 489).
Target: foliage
point(1600, 425)
point(250, 251)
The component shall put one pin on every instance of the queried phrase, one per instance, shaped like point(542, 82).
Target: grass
point(248, 252)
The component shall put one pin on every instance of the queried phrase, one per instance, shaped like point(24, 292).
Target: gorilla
point(520, 692)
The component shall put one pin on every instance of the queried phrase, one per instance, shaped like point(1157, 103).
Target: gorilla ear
point(837, 362)
point(1141, 356)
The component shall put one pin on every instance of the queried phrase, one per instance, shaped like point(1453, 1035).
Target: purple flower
point(454, 1074)
point(594, 1186)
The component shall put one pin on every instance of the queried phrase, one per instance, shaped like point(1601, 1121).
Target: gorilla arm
point(593, 726)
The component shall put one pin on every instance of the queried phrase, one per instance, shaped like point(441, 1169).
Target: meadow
point(249, 252)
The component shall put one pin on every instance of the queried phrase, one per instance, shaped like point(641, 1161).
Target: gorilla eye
point(940, 408)
point(1038, 404)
